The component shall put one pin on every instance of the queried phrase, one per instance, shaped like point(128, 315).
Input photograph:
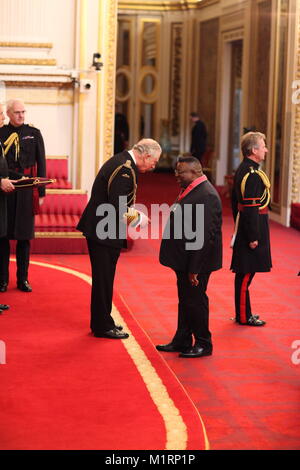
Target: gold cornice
point(19, 61)
point(38, 45)
point(164, 5)
point(37, 84)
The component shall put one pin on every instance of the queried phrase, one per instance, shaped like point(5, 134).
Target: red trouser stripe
point(243, 317)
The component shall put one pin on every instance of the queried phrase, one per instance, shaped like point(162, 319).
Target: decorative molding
point(176, 78)
point(295, 190)
point(20, 61)
point(165, 5)
point(65, 191)
point(38, 45)
point(110, 73)
point(37, 84)
point(233, 35)
point(58, 235)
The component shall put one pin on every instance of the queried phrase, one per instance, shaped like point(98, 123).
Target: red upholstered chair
point(57, 168)
point(60, 212)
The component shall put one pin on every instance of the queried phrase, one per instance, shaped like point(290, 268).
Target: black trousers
point(193, 312)
point(22, 256)
point(242, 298)
point(103, 262)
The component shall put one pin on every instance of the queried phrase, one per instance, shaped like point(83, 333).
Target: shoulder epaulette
point(132, 195)
point(266, 196)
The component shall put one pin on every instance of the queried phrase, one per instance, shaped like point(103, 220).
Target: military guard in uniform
point(251, 240)
point(112, 196)
point(6, 186)
point(25, 156)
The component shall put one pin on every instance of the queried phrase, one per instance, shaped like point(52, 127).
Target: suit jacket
point(106, 226)
point(199, 135)
point(174, 252)
point(31, 160)
point(253, 225)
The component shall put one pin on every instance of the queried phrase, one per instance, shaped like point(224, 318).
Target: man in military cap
point(251, 240)
point(25, 156)
point(104, 221)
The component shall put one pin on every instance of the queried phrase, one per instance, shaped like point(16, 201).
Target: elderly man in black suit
point(192, 247)
point(104, 222)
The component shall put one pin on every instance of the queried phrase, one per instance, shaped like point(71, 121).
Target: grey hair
point(249, 141)
point(10, 103)
point(149, 146)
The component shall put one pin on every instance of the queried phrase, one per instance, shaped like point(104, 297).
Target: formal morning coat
point(25, 156)
point(174, 252)
point(253, 223)
point(117, 177)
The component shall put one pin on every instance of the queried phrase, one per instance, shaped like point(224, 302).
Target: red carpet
point(247, 393)
point(61, 388)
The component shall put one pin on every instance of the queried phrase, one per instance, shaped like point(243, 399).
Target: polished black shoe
point(113, 334)
point(24, 286)
point(254, 321)
point(119, 327)
point(3, 286)
point(4, 307)
point(170, 348)
point(196, 351)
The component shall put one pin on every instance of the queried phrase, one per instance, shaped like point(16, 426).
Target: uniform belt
point(241, 208)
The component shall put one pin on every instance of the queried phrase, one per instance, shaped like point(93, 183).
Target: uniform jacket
point(20, 211)
point(122, 184)
point(174, 252)
point(252, 225)
point(199, 135)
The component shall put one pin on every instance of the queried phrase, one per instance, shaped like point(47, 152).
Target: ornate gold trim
point(38, 84)
point(65, 191)
point(39, 45)
point(58, 235)
point(19, 61)
point(58, 157)
point(165, 5)
point(110, 77)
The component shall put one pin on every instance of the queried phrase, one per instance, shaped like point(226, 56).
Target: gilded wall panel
point(207, 86)
point(296, 149)
point(263, 46)
point(176, 78)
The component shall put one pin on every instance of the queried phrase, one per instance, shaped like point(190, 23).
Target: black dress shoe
point(113, 334)
point(119, 327)
point(3, 286)
point(196, 351)
point(24, 286)
point(254, 321)
point(170, 348)
point(4, 307)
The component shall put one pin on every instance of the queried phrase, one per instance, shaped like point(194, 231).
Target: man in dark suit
point(192, 247)
point(251, 241)
point(6, 186)
point(25, 155)
point(104, 224)
point(199, 136)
